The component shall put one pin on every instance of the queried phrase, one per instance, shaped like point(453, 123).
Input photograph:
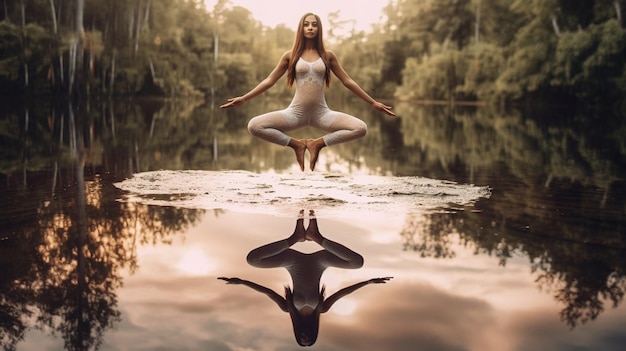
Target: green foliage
point(484, 64)
point(10, 54)
point(590, 60)
point(608, 57)
point(488, 50)
point(237, 72)
point(571, 52)
point(544, 50)
point(160, 46)
point(434, 78)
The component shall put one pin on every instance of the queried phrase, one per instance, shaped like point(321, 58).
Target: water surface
point(509, 235)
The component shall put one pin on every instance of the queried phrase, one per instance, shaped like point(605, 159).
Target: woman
point(308, 64)
point(306, 301)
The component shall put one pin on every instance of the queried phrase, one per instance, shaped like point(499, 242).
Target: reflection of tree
point(85, 278)
point(569, 218)
point(64, 241)
point(575, 242)
point(428, 236)
point(14, 311)
point(583, 284)
point(456, 142)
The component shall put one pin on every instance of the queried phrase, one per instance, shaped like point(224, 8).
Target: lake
point(447, 228)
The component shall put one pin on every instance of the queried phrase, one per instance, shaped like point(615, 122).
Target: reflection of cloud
point(213, 345)
point(166, 334)
point(421, 317)
point(414, 317)
point(465, 303)
point(345, 307)
point(38, 340)
point(209, 325)
point(194, 262)
point(533, 330)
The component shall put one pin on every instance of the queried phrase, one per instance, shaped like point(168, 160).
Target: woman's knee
point(361, 129)
point(254, 258)
point(254, 127)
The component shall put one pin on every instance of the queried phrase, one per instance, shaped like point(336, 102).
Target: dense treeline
point(485, 50)
point(120, 47)
point(509, 49)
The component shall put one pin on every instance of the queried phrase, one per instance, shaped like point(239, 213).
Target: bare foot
point(313, 233)
point(314, 146)
point(299, 146)
point(299, 233)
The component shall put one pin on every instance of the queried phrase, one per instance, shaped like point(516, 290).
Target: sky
point(288, 12)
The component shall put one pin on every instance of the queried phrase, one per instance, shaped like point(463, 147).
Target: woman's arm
point(328, 303)
point(279, 300)
point(349, 83)
point(274, 76)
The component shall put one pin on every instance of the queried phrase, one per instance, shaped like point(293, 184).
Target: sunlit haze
point(274, 12)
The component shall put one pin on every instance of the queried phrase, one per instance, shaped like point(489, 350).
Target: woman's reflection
point(305, 302)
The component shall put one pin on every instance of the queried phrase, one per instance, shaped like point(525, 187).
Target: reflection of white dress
point(308, 108)
point(305, 269)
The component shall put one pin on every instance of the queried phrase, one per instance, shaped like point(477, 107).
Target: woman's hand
point(383, 108)
point(231, 280)
point(232, 102)
point(379, 280)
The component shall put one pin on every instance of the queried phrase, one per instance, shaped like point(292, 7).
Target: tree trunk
point(555, 25)
point(6, 12)
point(146, 16)
point(142, 20)
point(112, 79)
point(54, 17)
point(76, 48)
point(23, 11)
point(57, 83)
point(138, 24)
point(131, 19)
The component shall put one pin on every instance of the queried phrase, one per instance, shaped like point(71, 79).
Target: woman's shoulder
point(330, 55)
point(286, 55)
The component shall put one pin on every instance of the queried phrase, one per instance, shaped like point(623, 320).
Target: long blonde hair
point(298, 49)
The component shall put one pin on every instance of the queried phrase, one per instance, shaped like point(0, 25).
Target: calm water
point(501, 230)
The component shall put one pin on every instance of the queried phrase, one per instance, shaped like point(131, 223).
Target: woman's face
point(310, 27)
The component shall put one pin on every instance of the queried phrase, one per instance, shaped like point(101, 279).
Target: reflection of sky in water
point(174, 301)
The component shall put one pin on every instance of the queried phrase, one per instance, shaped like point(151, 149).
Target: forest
point(485, 51)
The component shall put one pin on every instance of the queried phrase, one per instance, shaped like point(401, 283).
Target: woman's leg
point(341, 127)
point(278, 253)
point(272, 126)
